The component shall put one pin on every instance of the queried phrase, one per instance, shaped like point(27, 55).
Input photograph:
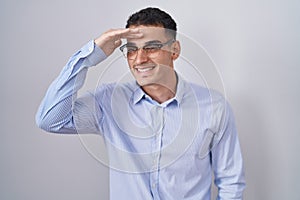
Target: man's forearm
point(55, 111)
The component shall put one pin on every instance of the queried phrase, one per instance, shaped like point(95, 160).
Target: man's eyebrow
point(130, 44)
point(153, 42)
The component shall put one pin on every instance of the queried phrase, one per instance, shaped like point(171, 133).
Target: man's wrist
point(96, 54)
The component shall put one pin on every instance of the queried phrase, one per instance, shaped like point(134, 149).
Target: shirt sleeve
point(227, 159)
point(55, 111)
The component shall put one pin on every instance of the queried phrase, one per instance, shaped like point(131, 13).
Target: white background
point(255, 45)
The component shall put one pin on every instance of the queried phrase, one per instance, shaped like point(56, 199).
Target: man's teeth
point(144, 69)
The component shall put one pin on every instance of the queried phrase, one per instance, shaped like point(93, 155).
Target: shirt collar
point(139, 94)
point(181, 88)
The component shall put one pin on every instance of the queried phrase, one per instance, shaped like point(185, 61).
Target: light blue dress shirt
point(156, 151)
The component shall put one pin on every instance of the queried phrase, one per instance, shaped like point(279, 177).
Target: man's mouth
point(146, 69)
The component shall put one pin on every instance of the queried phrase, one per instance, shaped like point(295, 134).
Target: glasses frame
point(160, 45)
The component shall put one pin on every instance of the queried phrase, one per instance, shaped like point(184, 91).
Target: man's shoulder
point(205, 93)
point(114, 85)
point(115, 88)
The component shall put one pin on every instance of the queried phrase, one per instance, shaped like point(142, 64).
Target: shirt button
point(153, 168)
point(153, 185)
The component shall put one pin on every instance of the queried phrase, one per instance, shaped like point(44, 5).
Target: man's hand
point(111, 39)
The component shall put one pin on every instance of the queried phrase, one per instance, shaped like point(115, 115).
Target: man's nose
point(141, 56)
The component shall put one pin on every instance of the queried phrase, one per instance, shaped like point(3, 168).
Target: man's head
point(151, 57)
point(153, 17)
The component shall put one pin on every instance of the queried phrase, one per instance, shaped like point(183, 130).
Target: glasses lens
point(131, 52)
point(151, 50)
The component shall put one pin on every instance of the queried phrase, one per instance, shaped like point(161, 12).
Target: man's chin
point(143, 82)
point(148, 82)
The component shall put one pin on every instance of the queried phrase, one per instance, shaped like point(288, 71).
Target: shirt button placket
point(157, 114)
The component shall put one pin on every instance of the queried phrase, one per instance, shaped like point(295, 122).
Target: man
point(165, 137)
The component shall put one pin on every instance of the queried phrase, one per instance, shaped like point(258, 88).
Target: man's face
point(147, 64)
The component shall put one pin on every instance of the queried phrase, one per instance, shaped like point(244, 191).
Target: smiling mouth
point(146, 69)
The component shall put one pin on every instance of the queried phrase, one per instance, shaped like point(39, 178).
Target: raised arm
point(55, 111)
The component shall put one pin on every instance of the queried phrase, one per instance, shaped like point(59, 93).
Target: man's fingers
point(133, 36)
point(130, 33)
point(118, 42)
point(111, 39)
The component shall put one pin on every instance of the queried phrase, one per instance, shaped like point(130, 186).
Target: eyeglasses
point(152, 49)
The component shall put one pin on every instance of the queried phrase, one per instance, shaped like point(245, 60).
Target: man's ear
point(176, 50)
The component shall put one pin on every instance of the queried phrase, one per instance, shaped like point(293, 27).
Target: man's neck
point(162, 92)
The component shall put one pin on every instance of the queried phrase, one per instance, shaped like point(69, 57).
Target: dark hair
point(153, 16)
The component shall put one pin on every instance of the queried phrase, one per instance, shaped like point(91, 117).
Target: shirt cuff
point(96, 54)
